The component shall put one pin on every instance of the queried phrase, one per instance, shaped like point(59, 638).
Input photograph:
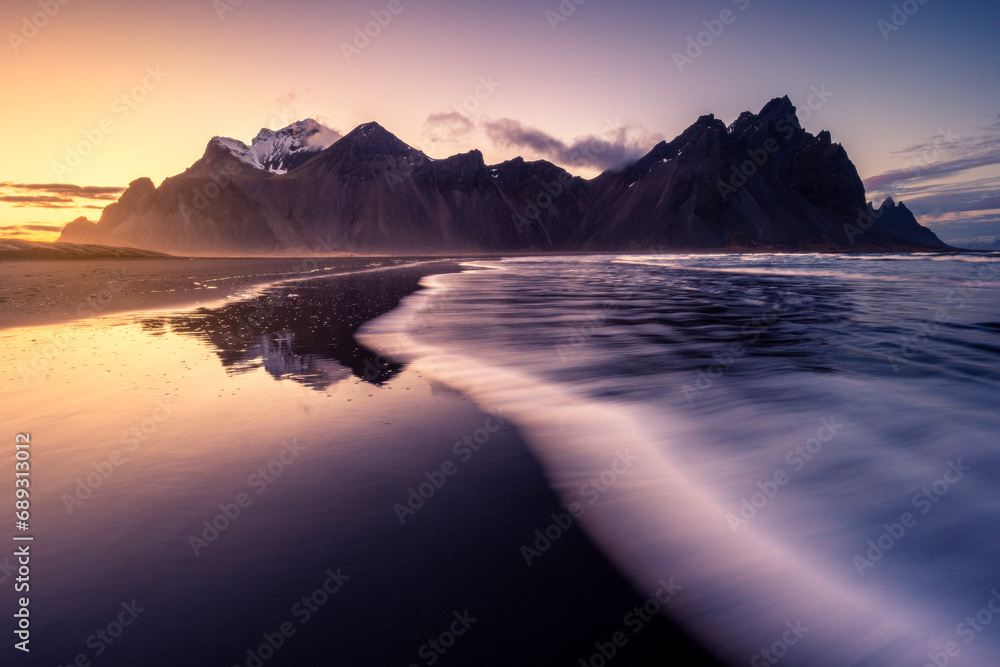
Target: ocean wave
point(494, 337)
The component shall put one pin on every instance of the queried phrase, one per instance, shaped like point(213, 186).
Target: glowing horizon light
point(112, 81)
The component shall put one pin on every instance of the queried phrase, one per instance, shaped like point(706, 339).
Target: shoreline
point(366, 442)
point(38, 292)
point(54, 292)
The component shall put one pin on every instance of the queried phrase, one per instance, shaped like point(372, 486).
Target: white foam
point(657, 522)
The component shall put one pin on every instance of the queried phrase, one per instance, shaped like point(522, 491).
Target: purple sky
point(915, 102)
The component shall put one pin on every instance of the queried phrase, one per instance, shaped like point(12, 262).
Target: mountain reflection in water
point(304, 330)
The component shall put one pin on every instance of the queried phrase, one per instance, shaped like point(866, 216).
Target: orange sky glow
point(107, 92)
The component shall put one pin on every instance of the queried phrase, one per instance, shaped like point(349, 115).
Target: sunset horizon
point(150, 114)
point(468, 333)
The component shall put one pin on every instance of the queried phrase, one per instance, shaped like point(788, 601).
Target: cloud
point(956, 202)
point(11, 231)
point(968, 203)
point(38, 200)
point(936, 183)
point(958, 231)
point(620, 146)
point(617, 149)
point(946, 155)
point(57, 195)
point(972, 195)
point(86, 191)
point(29, 229)
point(282, 112)
point(288, 109)
point(43, 227)
point(448, 127)
point(324, 138)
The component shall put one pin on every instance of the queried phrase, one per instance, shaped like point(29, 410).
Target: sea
point(580, 460)
point(813, 440)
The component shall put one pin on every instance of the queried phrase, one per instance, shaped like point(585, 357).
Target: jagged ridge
point(762, 182)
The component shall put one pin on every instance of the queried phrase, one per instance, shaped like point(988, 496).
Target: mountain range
point(984, 243)
point(763, 182)
point(282, 151)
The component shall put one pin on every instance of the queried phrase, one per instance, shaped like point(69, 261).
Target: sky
point(100, 92)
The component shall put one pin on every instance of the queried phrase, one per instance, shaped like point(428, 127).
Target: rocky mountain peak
point(274, 151)
point(761, 182)
point(901, 223)
point(371, 139)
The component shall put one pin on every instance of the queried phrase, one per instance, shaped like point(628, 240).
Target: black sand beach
point(36, 292)
point(280, 378)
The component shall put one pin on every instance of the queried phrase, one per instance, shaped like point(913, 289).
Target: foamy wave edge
point(739, 592)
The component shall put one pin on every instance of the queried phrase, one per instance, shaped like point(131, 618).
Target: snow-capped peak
point(280, 151)
point(985, 243)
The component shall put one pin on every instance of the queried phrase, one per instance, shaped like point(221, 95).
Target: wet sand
point(273, 398)
point(35, 292)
